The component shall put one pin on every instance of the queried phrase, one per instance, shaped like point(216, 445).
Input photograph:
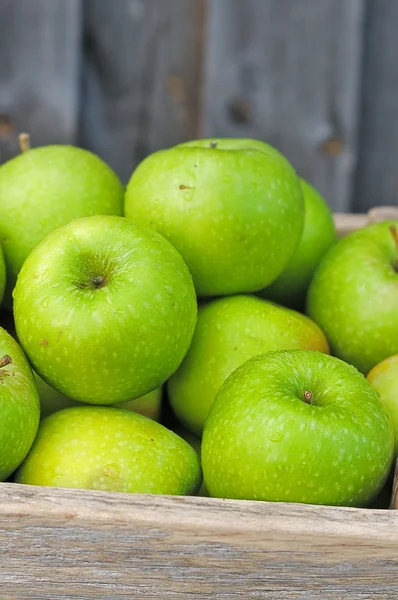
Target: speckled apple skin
point(319, 234)
point(262, 441)
point(148, 405)
point(194, 441)
point(354, 297)
point(2, 274)
point(233, 208)
point(45, 188)
point(52, 401)
point(19, 406)
point(114, 343)
point(384, 379)
point(229, 332)
point(110, 449)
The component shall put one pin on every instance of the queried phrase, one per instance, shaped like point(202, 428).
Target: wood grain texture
point(377, 175)
point(74, 544)
point(141, 77)
point(39, 72)
point(288, 72)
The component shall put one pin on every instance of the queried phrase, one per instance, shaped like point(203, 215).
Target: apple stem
point(5, 360)
point(308, 397)
point(394, 233)
point(24, 142)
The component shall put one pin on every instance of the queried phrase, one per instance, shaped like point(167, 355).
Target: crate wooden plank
point(75, 544)
point(348, 222)
point(141, 77)
point(39, 71)
point(377, 176)
point(288, 72)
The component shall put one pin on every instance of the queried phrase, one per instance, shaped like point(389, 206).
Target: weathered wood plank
point(288, 72)
point(73, 544)
point(377, 175)
point(141, 77)
point(39, 71)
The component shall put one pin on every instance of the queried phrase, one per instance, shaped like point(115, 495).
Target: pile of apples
point(266, 379)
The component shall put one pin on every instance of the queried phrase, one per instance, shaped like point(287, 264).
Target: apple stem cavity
point(308, 397)
point(98, 281)
point(394, 234)
point(5, 360)
point(95, 283)
point(24, 142)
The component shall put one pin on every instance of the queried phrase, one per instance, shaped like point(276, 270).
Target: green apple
point(195, 442)
point(229, 332)
point(52, 401)
point(297, 426)
point(19, 405)
point(319, 233)
point(148, 405)
point(353, 296)
point(384, 378)
point(232, 207)
point(110, 449)
point(104, 309)
point(45, 188)
point(2, 275)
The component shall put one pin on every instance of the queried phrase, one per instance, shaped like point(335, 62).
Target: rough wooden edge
point(209, 518)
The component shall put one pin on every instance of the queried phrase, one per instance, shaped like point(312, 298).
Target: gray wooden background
point(316, 78)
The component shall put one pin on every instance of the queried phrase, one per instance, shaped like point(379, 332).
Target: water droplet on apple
point(45, 302)
point(277, 437)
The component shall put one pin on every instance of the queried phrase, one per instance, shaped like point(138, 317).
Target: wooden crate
point(74, 544)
